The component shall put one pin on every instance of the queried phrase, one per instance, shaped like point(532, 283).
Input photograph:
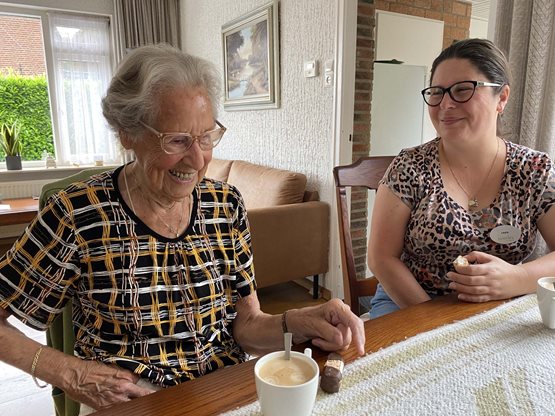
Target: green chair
point(60, 334)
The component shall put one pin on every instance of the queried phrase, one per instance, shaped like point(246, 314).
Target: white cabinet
point(397, 116)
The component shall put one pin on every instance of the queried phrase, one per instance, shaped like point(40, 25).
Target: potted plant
point(10, 142)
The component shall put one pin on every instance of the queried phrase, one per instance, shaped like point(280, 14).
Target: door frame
point(344, 98)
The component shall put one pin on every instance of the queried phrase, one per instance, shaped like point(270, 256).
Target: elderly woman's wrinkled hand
point(99, 385)
point(332, 326)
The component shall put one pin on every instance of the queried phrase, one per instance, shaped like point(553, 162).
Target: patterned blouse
point(160, 307)
point(439, 229)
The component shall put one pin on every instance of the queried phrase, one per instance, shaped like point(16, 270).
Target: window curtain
point(82, 66)
point(525, 30)
point(146, 22)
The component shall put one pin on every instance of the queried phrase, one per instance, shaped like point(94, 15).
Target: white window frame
point(41, 12)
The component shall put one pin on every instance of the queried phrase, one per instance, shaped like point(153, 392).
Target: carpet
point(495, 363)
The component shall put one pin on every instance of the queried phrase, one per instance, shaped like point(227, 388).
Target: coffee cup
point(286, 387)
point(546, 300)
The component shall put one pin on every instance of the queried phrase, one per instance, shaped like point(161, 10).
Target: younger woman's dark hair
point(481, 53)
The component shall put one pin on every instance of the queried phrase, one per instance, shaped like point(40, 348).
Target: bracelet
point(34, 367)
point(284, 322)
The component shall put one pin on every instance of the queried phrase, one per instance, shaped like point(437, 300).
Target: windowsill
point(41, 173)
point(43, 169)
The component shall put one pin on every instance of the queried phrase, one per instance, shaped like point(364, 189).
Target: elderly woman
point(155, 257)
point(468, 192)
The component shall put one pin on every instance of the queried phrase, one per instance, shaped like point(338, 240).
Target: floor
point(19, 396)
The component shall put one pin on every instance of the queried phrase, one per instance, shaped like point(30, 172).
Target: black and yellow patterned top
point(160, 307)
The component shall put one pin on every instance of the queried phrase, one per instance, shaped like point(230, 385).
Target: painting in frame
point(251, 60)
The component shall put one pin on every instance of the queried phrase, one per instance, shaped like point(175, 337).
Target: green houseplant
point(10, 142)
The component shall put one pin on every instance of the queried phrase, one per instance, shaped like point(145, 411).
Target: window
point(78, 51)
point(81, 63)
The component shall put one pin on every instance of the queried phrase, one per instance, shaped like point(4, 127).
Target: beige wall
point(299, 135)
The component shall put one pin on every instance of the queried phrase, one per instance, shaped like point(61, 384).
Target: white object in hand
point(461, 261)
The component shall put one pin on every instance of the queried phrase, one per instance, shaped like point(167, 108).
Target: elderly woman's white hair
point(147, 73)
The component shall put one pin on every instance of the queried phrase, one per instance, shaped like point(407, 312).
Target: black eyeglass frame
point(162, 136)
point(476, 84)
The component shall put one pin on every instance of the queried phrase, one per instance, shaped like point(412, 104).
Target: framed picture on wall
point(251, 60)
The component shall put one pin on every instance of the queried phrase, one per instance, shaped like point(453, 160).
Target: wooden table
point(233, 386)
point(21, 211)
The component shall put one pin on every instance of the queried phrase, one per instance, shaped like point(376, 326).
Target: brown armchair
point(289, 226)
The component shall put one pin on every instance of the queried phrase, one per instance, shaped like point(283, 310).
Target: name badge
point(505, 234)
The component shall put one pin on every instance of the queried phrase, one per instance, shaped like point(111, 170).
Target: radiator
point(21, 189)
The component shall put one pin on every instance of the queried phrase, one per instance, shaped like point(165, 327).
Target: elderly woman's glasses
point(174, 143)
point(459, 92)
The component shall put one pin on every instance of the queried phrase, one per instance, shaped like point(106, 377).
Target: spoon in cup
point(287, 342)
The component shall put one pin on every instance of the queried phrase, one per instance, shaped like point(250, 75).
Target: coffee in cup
point(286, 387)
point(282, 372)
point(546, 300)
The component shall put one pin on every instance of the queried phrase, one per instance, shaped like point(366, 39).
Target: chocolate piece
point(332, 374)
point(461, 261)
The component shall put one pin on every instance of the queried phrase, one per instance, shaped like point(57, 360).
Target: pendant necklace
point(168, 226)
point(167, 208)
point(472, 201)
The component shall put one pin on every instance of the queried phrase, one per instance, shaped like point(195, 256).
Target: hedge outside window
point(25, 99)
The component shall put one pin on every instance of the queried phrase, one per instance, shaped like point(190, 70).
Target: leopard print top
point(439, 229)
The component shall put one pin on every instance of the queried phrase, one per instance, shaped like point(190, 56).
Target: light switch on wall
point(310, 69)
point(328, 73)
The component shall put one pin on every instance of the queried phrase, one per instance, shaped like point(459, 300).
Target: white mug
point(294, 400)
point(546, 300)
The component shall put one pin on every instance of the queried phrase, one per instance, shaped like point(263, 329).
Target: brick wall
point(456, 17)
point(21, 47)
point(454, 13)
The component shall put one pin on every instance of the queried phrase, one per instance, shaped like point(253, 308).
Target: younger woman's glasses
point(459, 92)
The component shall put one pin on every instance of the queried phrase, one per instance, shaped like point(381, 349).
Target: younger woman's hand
point(487, 278)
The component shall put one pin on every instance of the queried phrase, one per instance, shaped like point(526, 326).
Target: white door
point(397, 108)
point(397, 113)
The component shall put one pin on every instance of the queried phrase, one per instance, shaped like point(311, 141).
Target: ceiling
point(480, 9)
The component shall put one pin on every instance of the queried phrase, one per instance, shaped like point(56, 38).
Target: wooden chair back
point(365, 172)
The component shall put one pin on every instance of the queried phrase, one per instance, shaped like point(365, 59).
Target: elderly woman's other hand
point(99, 385)
point(330, 326)
point(487, 278)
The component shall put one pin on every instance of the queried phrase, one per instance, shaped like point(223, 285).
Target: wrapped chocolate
point(332, 374)
point(461, 261)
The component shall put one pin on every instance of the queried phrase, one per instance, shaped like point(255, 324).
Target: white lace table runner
point(501, 362)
